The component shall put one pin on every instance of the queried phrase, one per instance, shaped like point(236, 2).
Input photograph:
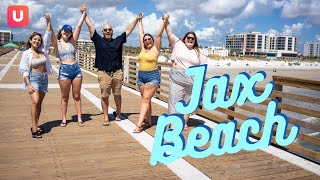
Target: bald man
point(109, 63)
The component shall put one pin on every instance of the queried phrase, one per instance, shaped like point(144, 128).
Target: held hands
point(165, 18)
point(140, 16)
point(83, 8)
point(47, 16)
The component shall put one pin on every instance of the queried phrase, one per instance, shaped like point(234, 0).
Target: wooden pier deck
point(113, 152)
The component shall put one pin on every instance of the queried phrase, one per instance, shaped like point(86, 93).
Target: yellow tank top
point(147, 61)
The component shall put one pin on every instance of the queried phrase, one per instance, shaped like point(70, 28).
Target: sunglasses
point(149, 39)
point(108, 29)
point(191, 38)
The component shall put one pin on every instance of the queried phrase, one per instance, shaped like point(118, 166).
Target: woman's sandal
point(63, 124)
point(35, 134)
point(105, 123)
point(138, 129)
point(146, 125)
point(81, 124)
point(40, 130)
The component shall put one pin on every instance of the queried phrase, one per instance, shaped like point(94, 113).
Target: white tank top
point(38, 61)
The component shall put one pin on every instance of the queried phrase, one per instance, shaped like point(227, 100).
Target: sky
point(211, 20)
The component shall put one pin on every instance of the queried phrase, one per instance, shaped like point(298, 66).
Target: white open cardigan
point(25, 63)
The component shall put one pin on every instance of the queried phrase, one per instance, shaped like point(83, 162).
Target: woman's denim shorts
point(149, 77)
point(69, 71)
point(39, 81)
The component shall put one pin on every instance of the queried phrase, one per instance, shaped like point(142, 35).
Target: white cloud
point(224, 15)
point(303, 8)
point(71, 17)
point(294, 29)
point(273, 31)
point(179, 15)
point(190, 25)
point(223, 8)
point(176, 4)
point(278, 3)
point(118, 18)
point(230, 31)
point(207, 34)
point(151, 24)
point(249, 26)
point(318, 37)
point(40, 24)
point(249, 9)
point(218, 11)
point(121, 19)
point(76, 4)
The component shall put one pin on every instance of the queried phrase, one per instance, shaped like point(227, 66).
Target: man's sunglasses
point(108, 29)
point(191, 38)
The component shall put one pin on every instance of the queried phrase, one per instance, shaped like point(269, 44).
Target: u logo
point(15, 16)
point(18, 16)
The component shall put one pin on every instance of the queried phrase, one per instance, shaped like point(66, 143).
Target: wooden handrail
point(132, 69)
point(297, 82)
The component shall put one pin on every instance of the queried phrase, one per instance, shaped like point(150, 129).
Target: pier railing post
point(158, 91)
point(231, 108)
point(126, 70)
point(278, 87)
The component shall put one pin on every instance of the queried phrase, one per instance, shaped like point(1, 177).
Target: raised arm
point(52, 36)
point(171, 37)
point(47, 36)
point(76, 33)
point(159, 36)
point(141, 31)
point(90, 26)
point(133, 24)
point(49, 25)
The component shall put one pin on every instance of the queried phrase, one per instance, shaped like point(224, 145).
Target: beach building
point(5, 36)
point(311, 49)
point(259, 44)
point(216, 51)
point(84, 43)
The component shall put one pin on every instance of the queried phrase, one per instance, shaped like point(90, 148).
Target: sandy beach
point(272, 68)
point(305, 70)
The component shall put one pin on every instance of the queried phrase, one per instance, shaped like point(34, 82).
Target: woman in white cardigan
point(34, 68)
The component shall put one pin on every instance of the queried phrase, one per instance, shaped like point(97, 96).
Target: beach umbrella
point(11, 44)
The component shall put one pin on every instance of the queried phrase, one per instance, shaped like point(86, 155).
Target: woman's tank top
point(147, 61)
point(38, 61)
point(67, 53)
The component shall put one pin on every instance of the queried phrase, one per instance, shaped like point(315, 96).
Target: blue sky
point(210, 19)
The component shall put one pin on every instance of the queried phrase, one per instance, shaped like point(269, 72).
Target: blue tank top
point(67, 53)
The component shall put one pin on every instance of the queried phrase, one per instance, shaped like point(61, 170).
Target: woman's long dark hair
point(145, 36)
point(30, 38)
point(196, 45)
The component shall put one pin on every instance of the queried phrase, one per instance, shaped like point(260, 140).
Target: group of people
point(35, 67)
